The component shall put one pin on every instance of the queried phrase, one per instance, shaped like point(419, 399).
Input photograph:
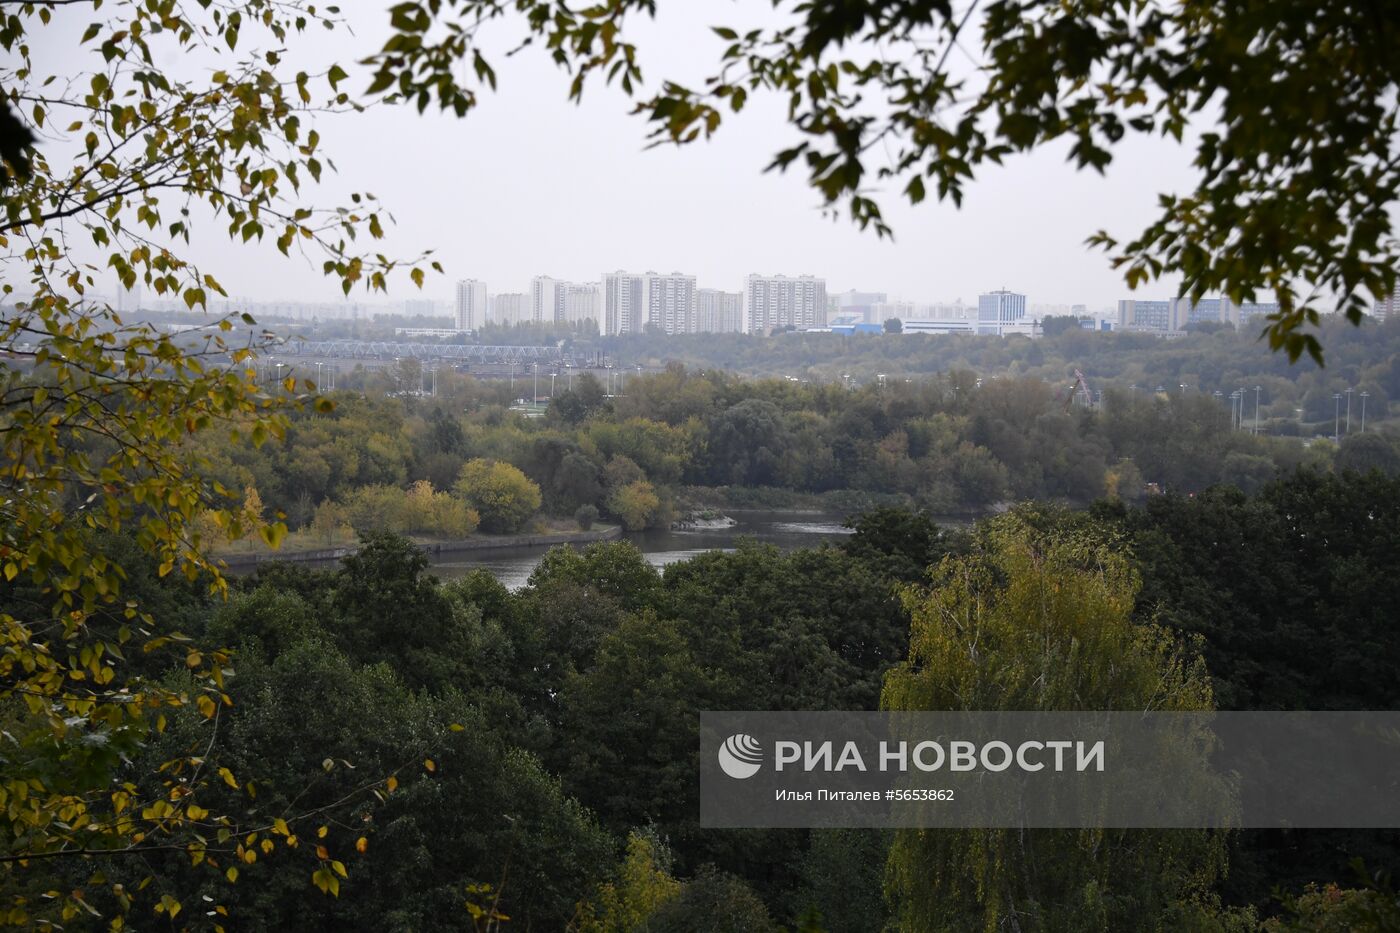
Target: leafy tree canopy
point(97, 413)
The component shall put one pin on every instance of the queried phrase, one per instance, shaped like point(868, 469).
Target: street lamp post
point(1364, 397)
point(535, 392)
point(1337, 418)
point(1348, 394)
point(1256, 410)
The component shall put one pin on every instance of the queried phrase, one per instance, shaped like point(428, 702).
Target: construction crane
point(1079, 387)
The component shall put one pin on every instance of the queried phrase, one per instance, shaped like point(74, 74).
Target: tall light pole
point(1256, 410)
point(1337, 418)
point(551, 386)
point(1348, 393)
point(535, 392)
point(1364, 397)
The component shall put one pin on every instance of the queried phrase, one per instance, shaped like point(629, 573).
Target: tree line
point(542, 742)
point(680, 439)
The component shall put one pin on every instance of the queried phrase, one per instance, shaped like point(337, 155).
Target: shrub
point(503, 496)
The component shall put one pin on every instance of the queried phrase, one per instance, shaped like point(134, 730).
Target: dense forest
point(368, 748)
point(957, 441)
point(528, 756)
point(542, 742)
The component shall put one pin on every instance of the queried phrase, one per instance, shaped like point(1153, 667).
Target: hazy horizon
point(530, 184)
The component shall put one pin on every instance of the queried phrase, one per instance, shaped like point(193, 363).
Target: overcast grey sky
point(530, 183)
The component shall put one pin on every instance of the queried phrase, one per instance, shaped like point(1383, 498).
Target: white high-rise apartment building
point(581, 301)
point(471, 304)
point(1150, 315)
point(779, 301)
point(510, 308)
point(624, 303)
point(671, 302)
point(995, 310)
point(718, 312)
point(546, 305)
point(129, 300)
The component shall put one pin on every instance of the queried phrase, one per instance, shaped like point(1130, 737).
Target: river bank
point(436, 550)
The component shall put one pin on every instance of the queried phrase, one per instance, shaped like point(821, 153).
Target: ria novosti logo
point(740, 756)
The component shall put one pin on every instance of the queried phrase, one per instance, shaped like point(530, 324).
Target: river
point(788, 530)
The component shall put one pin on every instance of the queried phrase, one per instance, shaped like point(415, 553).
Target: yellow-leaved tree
point(1038, 617)
point(110, 162)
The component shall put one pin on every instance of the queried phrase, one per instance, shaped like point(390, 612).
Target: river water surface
point(788, 530)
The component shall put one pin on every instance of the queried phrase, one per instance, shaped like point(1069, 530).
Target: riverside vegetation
point(997, 424)
point(539, 746)
point(350, 758)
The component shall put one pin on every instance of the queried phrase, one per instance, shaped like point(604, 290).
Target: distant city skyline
point(605, 201)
